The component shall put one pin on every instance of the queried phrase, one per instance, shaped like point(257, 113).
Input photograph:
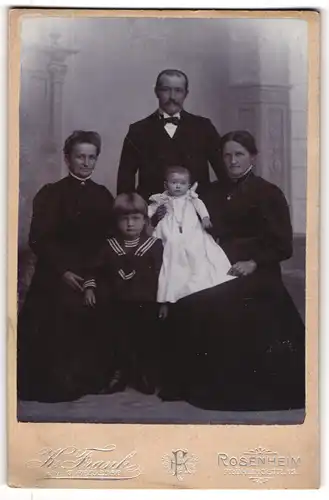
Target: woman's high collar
point(241, 180)
point(80, 178)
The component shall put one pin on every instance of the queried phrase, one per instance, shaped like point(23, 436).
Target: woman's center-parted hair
point(243, 137)
point(129, 203)
point(82, 137)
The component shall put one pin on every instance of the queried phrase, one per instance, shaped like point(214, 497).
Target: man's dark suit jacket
point(148, 150)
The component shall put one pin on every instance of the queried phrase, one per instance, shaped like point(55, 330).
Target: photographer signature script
point(90, 463)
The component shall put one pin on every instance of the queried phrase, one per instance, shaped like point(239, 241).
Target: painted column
point(43, 70)
point(56, 69)
point(259, 88)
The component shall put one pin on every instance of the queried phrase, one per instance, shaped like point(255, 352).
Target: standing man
point(168, 137)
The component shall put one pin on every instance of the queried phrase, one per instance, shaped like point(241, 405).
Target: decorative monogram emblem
point(180, 463)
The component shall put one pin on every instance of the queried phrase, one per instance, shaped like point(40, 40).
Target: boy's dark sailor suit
point(126, 281)
point(130, 276)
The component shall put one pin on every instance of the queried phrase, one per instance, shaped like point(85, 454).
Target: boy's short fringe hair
point(129, 203)
point(177, 169)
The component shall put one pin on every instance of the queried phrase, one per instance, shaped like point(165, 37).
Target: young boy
point(128, 267)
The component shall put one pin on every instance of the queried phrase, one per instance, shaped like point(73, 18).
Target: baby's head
point(177, 180)
point(130, 215)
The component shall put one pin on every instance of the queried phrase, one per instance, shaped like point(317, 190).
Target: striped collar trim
point(132, 243)
point(115, 245)
point(140, 251)
point(127, 276)
point(145, 246)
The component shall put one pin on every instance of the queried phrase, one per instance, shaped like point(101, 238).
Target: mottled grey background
point(99, 73)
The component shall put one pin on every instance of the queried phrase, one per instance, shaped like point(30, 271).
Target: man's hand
point(243, 268)
point(206, 223)
point(89, 297)
point(73, 280)
point(159, 215)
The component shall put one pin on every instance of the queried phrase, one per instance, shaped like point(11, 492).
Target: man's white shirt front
point(170, 128)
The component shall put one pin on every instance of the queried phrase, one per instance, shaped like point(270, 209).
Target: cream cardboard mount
point(217, 449)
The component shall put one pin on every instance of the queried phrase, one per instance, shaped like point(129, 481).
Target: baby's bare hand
point(206, 223)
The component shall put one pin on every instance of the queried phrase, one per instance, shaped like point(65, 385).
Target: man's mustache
point(172, 101)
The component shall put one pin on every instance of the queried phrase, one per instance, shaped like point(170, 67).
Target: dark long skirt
point(237, 346)
point(60, 348)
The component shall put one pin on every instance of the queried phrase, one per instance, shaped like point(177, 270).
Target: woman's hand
point(89, 297)
point(73, 280)
point(243, 268)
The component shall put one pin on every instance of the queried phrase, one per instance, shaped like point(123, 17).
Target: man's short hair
point(172, 72)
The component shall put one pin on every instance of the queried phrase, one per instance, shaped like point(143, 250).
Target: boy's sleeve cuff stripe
point(89, 283)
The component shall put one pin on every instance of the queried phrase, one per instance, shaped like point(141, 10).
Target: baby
point(192, 260)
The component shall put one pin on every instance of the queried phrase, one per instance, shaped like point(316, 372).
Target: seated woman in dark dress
point(240, 345)
point(59, 347)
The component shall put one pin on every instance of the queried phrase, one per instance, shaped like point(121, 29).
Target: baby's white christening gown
point(192, 260)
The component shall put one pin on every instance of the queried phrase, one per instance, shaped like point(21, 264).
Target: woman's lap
point(235, 334)
point(60, 345)
point(231, 335)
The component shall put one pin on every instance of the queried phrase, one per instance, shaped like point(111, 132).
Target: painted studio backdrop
point(99, 74)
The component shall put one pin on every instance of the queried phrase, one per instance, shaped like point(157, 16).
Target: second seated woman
point(243, 341)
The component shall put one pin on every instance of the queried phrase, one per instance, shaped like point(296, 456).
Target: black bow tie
point(172, 119)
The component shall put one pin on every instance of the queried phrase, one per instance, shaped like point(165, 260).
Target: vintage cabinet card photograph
point(163, 249)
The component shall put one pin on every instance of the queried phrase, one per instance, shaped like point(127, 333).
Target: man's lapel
point(182, 127)
point(157, 132)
